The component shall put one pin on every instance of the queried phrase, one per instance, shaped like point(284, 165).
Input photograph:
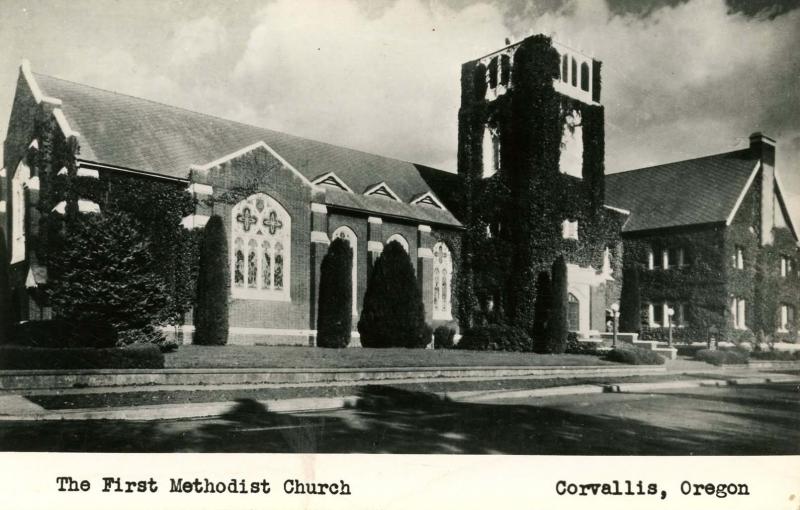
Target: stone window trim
point(787, 266)
point(737, 257)
point(658, 315)
point(787, 317)
point(569, 229)
point(260, 249)
point(400, 239)
point(739, 313)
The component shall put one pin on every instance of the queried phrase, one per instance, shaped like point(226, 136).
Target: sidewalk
point(16, 407)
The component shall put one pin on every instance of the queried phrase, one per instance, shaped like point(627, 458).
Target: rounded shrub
point(557, 328)
point(5, 292)
point(635, 356)
point(443, 337)
point(393, 314)
point(105, 273)
point(213, 282)
point(630, 306)
point(334, 310)
point(495, 337)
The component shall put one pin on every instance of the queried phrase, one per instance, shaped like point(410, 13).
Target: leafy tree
point(557, 320)
point(334, 317)
point(630, 306)
point(393, 314)
point(105, 273)
point(213, 282)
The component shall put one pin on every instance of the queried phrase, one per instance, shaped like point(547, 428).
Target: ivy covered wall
point(155, 205)
point(709, 278)
point(514, 218)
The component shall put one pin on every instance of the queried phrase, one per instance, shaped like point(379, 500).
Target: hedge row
point(63, 334)
point(15, 357)
point(496, 337)
point(635, 356)
point(722, 357)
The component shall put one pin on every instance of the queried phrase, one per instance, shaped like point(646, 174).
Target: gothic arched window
point(348, 235)
point(261, 237)
point(442, 282)
point(21, 176)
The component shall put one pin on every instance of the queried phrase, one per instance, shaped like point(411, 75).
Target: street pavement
point(731, 420)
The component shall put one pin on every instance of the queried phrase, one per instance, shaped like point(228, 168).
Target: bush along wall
point(334, 317)
point(393, 313)
point(211, 313)
point(505, 217)
point(152, 207)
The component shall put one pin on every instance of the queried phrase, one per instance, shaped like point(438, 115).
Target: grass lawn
point(157, 397)
point(257, 356)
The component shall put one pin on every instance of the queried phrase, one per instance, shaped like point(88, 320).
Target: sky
point(681, 78)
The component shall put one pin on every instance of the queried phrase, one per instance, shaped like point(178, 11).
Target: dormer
point(332, 180)
point(383, 190)
point(428, 199)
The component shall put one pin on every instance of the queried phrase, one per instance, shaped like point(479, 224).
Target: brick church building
point(530, 118)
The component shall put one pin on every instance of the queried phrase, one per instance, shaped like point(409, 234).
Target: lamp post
point(614, 315)
point(670, 313)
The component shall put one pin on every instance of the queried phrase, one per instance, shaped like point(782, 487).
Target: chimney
point(763, 148)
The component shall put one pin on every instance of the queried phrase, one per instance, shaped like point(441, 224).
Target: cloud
point(196, 39)
point(687, 79)
point(387, 83)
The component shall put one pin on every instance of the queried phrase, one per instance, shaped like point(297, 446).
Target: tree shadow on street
point(391, 420)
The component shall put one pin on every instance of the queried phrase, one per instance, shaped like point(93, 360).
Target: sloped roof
point(692, 192)
point(132, 132)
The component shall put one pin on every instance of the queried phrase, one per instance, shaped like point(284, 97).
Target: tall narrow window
point(738, 313)
point(261, 240)
point(574, 73)
point(585, 77)
point(573, 313)
point(650, 260)
point(442, 282)
point(490, 151)
point(505, 69)
point(348, 235)
point(491, 70)
point(565, 68)
point(18, 211)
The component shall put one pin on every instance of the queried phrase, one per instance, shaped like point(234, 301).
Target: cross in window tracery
point(246, 219)
point(440, 255)
point(273, 223)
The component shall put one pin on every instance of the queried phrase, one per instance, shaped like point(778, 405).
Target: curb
point(298, 405)
point(185, 411)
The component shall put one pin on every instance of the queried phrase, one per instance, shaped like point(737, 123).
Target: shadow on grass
point(391, 420)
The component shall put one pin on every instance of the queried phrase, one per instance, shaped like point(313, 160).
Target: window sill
point(441, 316)
point(260, 295)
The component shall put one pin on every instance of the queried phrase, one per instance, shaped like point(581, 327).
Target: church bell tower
point(531, 157)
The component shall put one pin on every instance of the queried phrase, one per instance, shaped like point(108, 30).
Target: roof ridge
point(233, 121)
point(651, 167)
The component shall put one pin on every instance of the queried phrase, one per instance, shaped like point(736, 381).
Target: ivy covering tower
point(531, 155)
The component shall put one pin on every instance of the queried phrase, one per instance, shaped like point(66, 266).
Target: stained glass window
point(260, 259)
point(442, 285)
